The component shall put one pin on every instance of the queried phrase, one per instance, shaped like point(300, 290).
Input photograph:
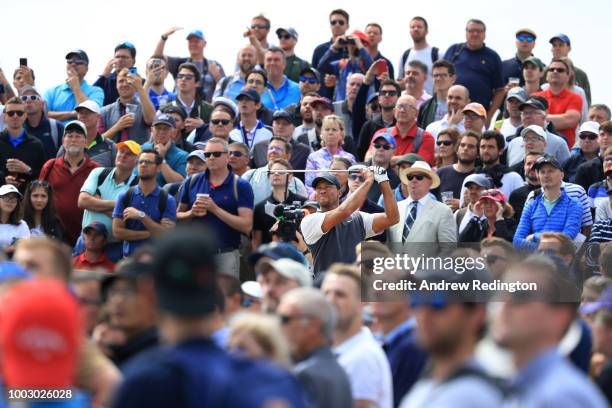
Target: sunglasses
point(419, 177)
point(444, 143)
point(76, 62)
point(284, 37)
point(310, 80)
point(387, 93)
point(382, 146)
point(146, 162)
point(185, 76)
point(275, 149)
point(589, 136)
point(337, 22)
point(26, 98)
point(236, 153)
point(13, 113)
point(223, 122)
point(259, 26)
point(528, 38)
point(559, 70)
point(215, 154)
point(357, 177)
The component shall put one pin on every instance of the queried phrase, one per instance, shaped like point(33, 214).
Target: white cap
point(89, 105)
point(290, 269)
point(590, 126)
point(75, 123)
point(252, 288)
point(538, 130)
point(9, 188)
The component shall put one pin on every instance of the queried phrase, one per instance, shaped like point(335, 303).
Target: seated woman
point(497, 221)
point(447, 142)
point(12, 226)
point(39, 210)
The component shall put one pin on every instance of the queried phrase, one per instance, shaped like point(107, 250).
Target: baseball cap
point(518, 93)
point(562, 37)
point(328, 178)
point(185, 272)
point(130, 271)
point(493, 194)
point(222, 100)
point(313, 71)
point(289, 30)
point(535, 61)
point(526, 31)
point(28, 88)
point(41, 332)
point(546, 159)
point(96, 226)
point(196, 33)
point(165, 119)
point(479, 179)
point(89, 105)
point(476, 108)
point(78, 53)
point(132, 145)
point(179, 110)
point(75, 125)
point(361, 35)
point(371, 97)
point(249, 93)
point(532, 102)
point(603, 302)
point(590, 127)
point(311, 204)
point(278, 250)
point(9, 188)
point(322, 100)
point(252, 288)
point(409, 158)
point(538, 130)
point(282, 114)
point(197, 153)
point(288, 268)
point(388, 137)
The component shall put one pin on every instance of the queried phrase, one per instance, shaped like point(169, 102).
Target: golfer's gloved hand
point(380, 174)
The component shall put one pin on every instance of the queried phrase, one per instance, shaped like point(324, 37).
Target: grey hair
point(312, 302)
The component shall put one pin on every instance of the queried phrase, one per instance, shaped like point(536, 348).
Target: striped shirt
point(602, 231)
point(576, 192)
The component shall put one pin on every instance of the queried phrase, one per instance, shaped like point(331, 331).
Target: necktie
point(409, 220)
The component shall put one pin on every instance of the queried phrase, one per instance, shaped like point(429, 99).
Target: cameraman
point(332, 233)
point(263, 214)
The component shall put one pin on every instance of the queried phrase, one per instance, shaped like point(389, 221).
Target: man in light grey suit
point(423, 220)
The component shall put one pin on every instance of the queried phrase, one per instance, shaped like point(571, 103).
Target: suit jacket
point(434, 224)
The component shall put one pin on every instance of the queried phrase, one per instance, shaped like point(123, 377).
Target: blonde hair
point(266, 331)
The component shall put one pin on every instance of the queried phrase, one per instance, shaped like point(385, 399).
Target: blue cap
point(289, 30)
point(371, 97)
point(96, 226)
point(196, 33)
point(165, 119)
point(278, 250)
point(561, 37)
point(603, 302)
point(249, 93)
point(388, 137)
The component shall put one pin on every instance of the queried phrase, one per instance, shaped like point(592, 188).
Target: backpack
point(223, 85)
point(457, 52)
point(469, 371)
point(103, 176)
point(434, 55)
point(418, 139)
point(53, 124)
point(162, 203)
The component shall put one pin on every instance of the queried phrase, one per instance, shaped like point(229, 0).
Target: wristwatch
point(141, 214)
point(164, 37)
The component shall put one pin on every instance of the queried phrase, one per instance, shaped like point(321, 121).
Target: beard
point(73, 150)
point(466, 161)
point(490, 161)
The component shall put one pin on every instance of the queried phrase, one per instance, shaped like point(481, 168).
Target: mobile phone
point(382, 67)
point(155, 62)
point(23, 62)
point(132, 70)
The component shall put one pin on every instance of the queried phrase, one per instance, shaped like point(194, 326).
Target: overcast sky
point(43, 31)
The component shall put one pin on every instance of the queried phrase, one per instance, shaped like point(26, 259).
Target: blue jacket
point(565, 217)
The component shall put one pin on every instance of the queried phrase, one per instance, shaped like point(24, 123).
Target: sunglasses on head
point(444, 142)
point(419, 177)
point(384, 146)
point(223, 122)
point(215, 154)
point(490, 193)
point(589, 136)
point(236, 153)
point(13, 113)
point(26, 98)
point(528, 38)
point(337, 22)
point(310, 80)
point(185, 76)
point(284, 37)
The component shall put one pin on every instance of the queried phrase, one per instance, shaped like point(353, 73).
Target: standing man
point(145, 210)
point(513, 67)
point(374, 33)
point(249, 130)
point(66, 175)
point(453, 176)
point(344, 108)
point(125, 57)
point(287, 40)
point(415, 76)
point(257, 34)
point(420, 51)
point(533, 70)
point(281, 91)
point(48, 131)
point(478, 67)
point(62, 99)
point(221, 201)
point(339, 25)
point(561, 47)
point(443, 74)
point(387, 98)
point(308, 321)
point(210, 71)
point(231, 85)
